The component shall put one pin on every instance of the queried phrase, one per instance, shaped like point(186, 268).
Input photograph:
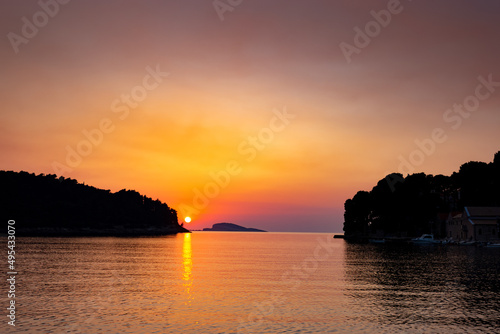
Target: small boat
point(376, 241)
point(491, 245)
point(467, 243)
point(425, 239)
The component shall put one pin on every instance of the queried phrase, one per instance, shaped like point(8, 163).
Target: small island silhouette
point(45, 205)
point(228, 227)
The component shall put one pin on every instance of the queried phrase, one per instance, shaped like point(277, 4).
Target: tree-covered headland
point(48, 205)
point(409, 206)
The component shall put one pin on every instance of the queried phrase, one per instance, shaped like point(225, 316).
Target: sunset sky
point(164, 96)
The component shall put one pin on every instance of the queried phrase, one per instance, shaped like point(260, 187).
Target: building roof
point(483, 221)
point(483, 212)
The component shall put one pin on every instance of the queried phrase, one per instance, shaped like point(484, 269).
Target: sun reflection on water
point(187, 267)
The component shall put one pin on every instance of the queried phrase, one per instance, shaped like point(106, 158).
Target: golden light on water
point(187, 266)
point(187, 262)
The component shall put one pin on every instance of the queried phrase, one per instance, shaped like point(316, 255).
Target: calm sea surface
point(216, 282)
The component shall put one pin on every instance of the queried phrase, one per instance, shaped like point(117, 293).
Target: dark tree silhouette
point(47, 205)
point(358, 214)
point(411, 207)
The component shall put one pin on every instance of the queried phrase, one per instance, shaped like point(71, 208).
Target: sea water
point(237, 282)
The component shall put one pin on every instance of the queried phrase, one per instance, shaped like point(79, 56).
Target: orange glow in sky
point(257, 119)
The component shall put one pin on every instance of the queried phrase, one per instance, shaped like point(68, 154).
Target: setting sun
point(187, 219)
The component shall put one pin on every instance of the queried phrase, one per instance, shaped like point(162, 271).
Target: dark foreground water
point(215, 282)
